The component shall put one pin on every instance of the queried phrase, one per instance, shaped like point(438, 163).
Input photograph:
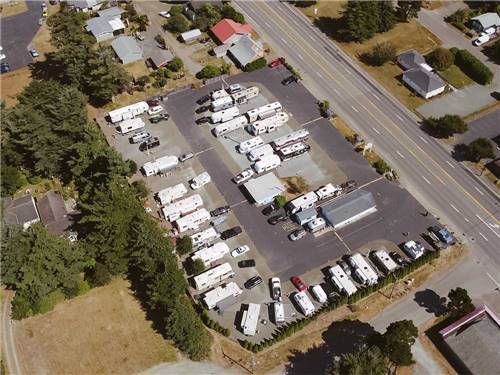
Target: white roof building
point(250, 319)
point(264, 189)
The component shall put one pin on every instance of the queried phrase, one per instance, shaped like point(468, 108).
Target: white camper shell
point(341, 281)
point(327, 191)
point(279, 312)
point(200, 180)
point(305, 304)
point(213, 276)
point(293, 151)
point(362, 269)
point(383, 259)
point(318, 293)
point(222, 103)
point(229, 126)
point(180, 208)
point(224, 115)
point(267, 163)
point(217, 94)
point(303, 202)
point(219, 294)
point(250, 144)
point(212, 253)
point(316, 225)
point(205, 237)
point(260, 152)
point(250, 319)
point(245, 95)
point(160, 165)
point(128, 112)
point(127, 126)
point(192, 221)
point(254, 114)
point(297, 136)
point(268, 124)
point(171, 194)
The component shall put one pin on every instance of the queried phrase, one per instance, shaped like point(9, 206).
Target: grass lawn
point(455, 77)
point(104, 331)
point(11, 8)
point(137, 69)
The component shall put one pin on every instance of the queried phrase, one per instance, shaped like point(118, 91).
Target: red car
point(299, 284)
point(275, 63)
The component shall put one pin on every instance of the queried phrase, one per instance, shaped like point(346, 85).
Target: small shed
point(127, 49)
point(191, 36)
point(264, 189)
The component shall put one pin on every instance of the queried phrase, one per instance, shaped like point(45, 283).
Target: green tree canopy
point(177, 23)
point(227, 11)
point(184, 245)
point(445, 126)
point(441, 58)
point(175, 64)
point(459, 303)
point(408, 9)
point(382, 53)
point(480, 148)
point(363, 19)
point(364, 361)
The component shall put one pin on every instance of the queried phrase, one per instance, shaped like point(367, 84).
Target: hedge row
point(289, 329)
point(472, 66)
point(212, 324)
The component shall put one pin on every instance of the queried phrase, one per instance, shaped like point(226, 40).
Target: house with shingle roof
point(54, 214)
point(107, 25)
point(425, 83)
point(21, 211)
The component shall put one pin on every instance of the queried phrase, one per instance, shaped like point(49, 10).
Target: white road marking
point(319, 74)
point(399, 117)
point(466, 220)
point(284, 41)
point(300, 56)
point(426, 180)
point(376, 131)
point(400, 154)
point(354, 108)
point(376, 97)
point(479, 191)
point(451, 165)
point(456, 209)
point(482, 235)
point(349, 72)
point(202, 151)
point(487, 225)
point(425, 141)
point(267, 24)
point(336, 91)
point(492, 279)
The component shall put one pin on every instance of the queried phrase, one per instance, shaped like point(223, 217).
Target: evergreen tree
point(364, 361)
point(397, 341)
point(459, 303)
point(386, 16)
point(361, 20)
point(408, 9)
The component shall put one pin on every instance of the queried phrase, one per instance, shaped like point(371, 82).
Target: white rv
point(327, 191)
point(297, 136)
point(316, 224)
point(267, 163)
point(385, 261)
point(192, 221)
point(279, 312)
point(260, 152)
point(245, 95)
point(341, 281)
point(250, 319)
point(171, 193)
point(160, 165)
point(219, 94)
point(205, 237)
point(213, 276)
point(268, 124)
point(305, 304)
point(250, 144)
point(318, 293)
point(212, 253)
point(222, 103)
point(224, 115)
point(127, 126)
point(219, 294)
point(200, 180)
point(293, 151)
point(180, 208)
point(128, 112)
point(254, 114)
point(301, 203)
point(229, 126)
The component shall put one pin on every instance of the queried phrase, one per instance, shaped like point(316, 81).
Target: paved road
point(427, 170)
point(17, 33)
point(8, 344)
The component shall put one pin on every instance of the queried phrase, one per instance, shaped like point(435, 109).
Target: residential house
point(485, 21)
point(86, 5)
point(425, 83)
point(127, 49)
point(228, 31)
point(246, 50)
point(158, 57)
point(21, 211)
point(54, 214)
point(412, 59)
point(107, 25)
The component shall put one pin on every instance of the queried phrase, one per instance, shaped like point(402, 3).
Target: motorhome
point(297, 136)
point(316, 225)
point(250, 144)
point(266, 163)
point(221, 293)
point(128, 112)
point(279, 312)
point(384, 261)
point(327, 191)
point(224, 115)
point(229, 126)
point(250, 319)
point(305, 304)
point(218, 94)
point(171, 193)
point(222, 103)
point(363, 270)
point(213, 276)
point(160, 165)
point(245, 95)
point(254, 114)
point(318, 293)
point(180, 208)
point(260, 152)
point(341, 281)
point(127, 126)
point(200, 180)
point(301, 203)
point(268, 124)
point(192, 221)
point(293, 151)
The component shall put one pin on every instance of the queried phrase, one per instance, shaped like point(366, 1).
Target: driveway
point(487, 126)
point(17, 33)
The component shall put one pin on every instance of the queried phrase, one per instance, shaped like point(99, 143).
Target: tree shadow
point(47, 69)
point(333, 28)
point(431, 301)
point(460, 152)
point(341, 337)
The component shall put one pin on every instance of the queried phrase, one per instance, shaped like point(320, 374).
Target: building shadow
point(432, 302)
point(341, 337)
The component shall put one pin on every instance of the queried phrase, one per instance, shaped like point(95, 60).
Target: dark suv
point(246, 263)
point(149, 144)
point(270, 209)
point(220, 210)
point(227, 234)
point(253, 282)
point(277, 219)
point(289, 80)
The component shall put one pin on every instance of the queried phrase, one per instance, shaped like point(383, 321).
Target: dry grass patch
point(455, 77)
point(104, 331)
point(11, 8)
point(13, 83)
point(325, 8)
point(137, 69)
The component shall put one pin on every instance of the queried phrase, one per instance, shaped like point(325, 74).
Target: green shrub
point(177, 23)
point(175, 64)
point(184, 245)
point(132, 167)
point(256, 65)
point(445, 126)
point(473, 67)
point(227, 11)
point(209, 71)
point(381, 166)
point(47, 302)
point(98, 275)
point(83, 287)
point(480, 148)
point(176, 9)
point(441, 58)
point(140, 188)
point(281, 200)
point(21, 307)
point(382, 53)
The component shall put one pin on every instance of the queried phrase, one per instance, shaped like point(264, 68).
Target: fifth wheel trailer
point(267, 163)
point(221, 293)
point(180, 208)
point(222, 103)
point(205, 237)
point(229, 126)
point(213, 276)
point(301, 203)
point(341, 281)
point(192, 221)
point(224, 115)
point(261, 112)
point(128, 112)
point(160, 165)
point(363, 270)
point(171, 193)
point(250, 319)
point(127, 126)
point(268, 124)
point(212, 253)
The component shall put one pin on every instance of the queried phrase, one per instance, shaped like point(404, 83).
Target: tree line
point(47, 134)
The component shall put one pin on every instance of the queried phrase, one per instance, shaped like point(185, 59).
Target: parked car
point(202, 120)
point(155, 110)
point(289, 80)
point(40, 21)
point(298, 283)
point(273, 220)
point(275, 63)
point(483, 38)
point(349, 185)
point(204, 40)
point(271, 208)
point(153, 102)
point(397, 258)
point(246, 263)
point(253, 282)
point(297, 234)
point(2, 56)
point(443, 234)
point(202, 109)
point(185, 157)
point(243, 176)
point(220, 210)
point(159, 117)
point(230, 233)
point(45, 13)
point(149, 144)
point(276, 288)
point(34, 53)
point(203, 99)
point(240, 251)
point(165, 14)
point(346, 268)
point(139, 36)
point(4, 67)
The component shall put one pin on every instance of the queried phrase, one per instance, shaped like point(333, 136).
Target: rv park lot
point(331, 159)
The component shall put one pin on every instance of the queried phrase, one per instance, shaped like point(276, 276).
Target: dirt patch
point(11, 8)
point(104, 331)
point(13, 83)
point(295, 186)
point(228, 352)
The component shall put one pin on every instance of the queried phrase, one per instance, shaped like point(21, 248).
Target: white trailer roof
point(183, 206)
point(341, 278)
point(304, 302)
point(167, 195)
point(193, 220)
point(292, 137)
point(213, 276)
point(249, 93)
point(204, 235)
point(385, 260)
point(260, 152)
point(304, 200)
point(136, 123)
point(212, 253)
point(136, 107)
point(357, 261)
point(268, 107)
point(250, 319)
point(221, 293)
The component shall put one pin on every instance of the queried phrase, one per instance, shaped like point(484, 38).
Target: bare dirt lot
point(104, 331)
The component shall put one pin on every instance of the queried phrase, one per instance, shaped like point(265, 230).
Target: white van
point(318, 293)
point(260, 152)
point(250, 144)
point(483, 38)
point(155, 110)
point(279, 313)
point(140, 136)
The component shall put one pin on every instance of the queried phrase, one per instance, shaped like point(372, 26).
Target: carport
point(349, 208)
point(264, 189)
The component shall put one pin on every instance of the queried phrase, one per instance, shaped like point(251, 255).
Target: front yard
point(455, 77)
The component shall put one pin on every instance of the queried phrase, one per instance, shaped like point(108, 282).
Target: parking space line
point(319, 74)
point(341, 240)
point(238, 204)
point(300, 56)
point(451, 165)
point(310, 122)
point(479, 191)
point(376, 131)
point(482, 235)
point(336, 91)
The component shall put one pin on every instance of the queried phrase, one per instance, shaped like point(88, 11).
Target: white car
point(34, 52)
point(155, 110)
point(2, 56)
point(243, 176)
point(483, 38)
point(240, 251)
point(165, 14)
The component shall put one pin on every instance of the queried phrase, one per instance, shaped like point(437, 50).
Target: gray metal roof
point(306, 214)
point(348, 206)
point(82, 4)
point(263, 187)
point(111, 12)
point(246, 50)
point(125, 45)
point(410, 59)
point(21, 210)
point(98, 26)
point(427, 81)
point(487, 20)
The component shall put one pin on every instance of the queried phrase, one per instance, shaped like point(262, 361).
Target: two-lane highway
point(427, 170)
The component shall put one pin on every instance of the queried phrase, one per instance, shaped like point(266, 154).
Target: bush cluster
point(256, 65)
point(473, 67)
point(212, 324)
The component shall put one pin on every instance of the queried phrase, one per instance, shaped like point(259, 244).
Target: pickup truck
point(276, 288)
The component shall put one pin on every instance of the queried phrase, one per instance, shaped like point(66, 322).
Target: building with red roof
point(228, 31)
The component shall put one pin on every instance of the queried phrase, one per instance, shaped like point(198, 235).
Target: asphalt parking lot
point(17, 33)
point(486, 126)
